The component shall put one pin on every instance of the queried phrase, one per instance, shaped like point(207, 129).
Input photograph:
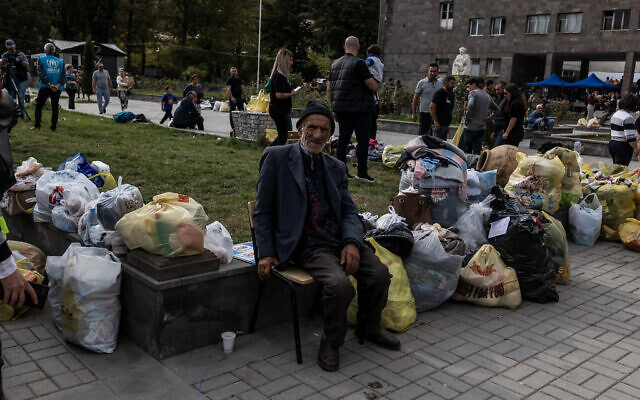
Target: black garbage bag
point(522, 248)
point(397, 238)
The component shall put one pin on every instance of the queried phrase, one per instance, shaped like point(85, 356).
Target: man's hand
point(350, 258)
point(414, 117)
point(14, 288)
point(493, 136)
point(505, 136)
point(436, 125)
point(264, 266)
point(233, 99)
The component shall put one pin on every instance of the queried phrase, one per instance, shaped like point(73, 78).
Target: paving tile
point(229, 390)
point(408, 392)
point(70, 361)
point(42, 387)
point(23, 379)
point(85, 375)
point(295, 393)
point(342, 389)
point(278, 385)
point(20, 392)
point(8, 372)
point(51, 366)
point(66, 380)
point(438, 388)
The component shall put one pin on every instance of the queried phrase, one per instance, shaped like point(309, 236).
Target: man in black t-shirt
point(441, 107)
point(237, 95)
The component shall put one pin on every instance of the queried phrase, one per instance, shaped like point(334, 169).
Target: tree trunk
point(129, 34)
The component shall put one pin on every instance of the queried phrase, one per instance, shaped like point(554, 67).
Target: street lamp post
point(259, 36)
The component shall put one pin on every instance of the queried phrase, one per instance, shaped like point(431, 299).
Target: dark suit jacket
point(281, 204)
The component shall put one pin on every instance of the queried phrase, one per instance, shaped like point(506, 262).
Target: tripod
point(20, 98)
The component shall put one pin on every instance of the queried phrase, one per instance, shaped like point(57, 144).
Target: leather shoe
point(382, 339)
point(328, 357)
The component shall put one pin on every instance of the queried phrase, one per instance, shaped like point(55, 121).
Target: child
point(376, 68)
point(168, 99)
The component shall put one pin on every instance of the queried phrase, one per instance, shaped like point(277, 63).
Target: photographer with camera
point(15, 68)
point(15, 286)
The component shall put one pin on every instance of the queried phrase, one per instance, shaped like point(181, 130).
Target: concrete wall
point(411, 36)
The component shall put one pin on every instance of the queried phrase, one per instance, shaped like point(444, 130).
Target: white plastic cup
point(227, 341)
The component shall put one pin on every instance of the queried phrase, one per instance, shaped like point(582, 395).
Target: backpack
point(141, 118)
point(123, 116)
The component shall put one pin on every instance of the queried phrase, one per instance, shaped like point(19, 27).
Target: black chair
point(292, 277)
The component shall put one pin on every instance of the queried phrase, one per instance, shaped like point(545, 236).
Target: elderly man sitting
point(187, 114)
point(304, 213)
point(538, 121)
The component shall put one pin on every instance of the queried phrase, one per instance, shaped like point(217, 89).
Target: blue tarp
point(552, 81)
point(592, 82)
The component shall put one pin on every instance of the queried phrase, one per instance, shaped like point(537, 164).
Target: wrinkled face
point(432, 73)
point(539, 109)
point(314, 132)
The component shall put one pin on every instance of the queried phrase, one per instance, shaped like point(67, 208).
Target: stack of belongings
point(617, 193)
point(21, 197)
point(438, 170)
point(571, 190)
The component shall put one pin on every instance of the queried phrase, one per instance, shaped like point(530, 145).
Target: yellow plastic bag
point(109, 181)
point(34, 258)
point(487, 281)
point(170, 225)
point(555, 240)
point(253, 104)
point(391, 154)
point(9, 313)
point(456, 138)
point(263, 102)
point(400, 312)
point(618, 204)
point(630, 234)
point(224, 107)
point(571, 187)
point(537, 182)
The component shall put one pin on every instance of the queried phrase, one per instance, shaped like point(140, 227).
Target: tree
point(26, 22)
point(88, 62)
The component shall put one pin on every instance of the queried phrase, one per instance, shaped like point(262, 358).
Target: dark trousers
point(374, 121)
point(621, 152)
point(191, 124)
point(442, 132)
point(360, 123)
point(425, 123)
point(282, 125)
point(43, 95)
point(72, 98)
point(167, 115)
point(472, 141)
point(337, 290)
point(239, 104)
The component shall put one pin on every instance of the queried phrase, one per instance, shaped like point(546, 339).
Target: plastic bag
point(9, 313)
point(63, 220)
point(91, 299)
point(218, 241)
point(171, 225)
point(80, 164)
point(50, 189)
point(387, 219)
point(479, 184)
point(585, 220)
point(471, 225)
point(522, 248)
point(224, 107)
point(28, 167)
point(36, 257)
point(90, 229)
point(537, 182)
point(618, 204)
point(112, 205)
point(41, 213)
point(433, 273)
point(55, 271)
point(555, 240)
point(488, 282)
point(449, 239)
point(571, 188)
point(400, 312)
point(391, 154)
point(630, 234)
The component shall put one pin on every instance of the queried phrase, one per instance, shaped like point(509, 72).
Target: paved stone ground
point(585, 346)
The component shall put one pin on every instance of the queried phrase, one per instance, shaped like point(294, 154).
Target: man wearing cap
point(304, 213)
point(16, 67)
point(52, 76)
point(15, 286)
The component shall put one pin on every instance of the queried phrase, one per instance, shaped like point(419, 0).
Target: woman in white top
point(623, 143)
point(123, 89)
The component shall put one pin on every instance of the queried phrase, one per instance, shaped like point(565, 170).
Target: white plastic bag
point(471, 224)
point(50, 188)
point(218, 241)
point(114, 204)
point(585, 221)
point(41, 213)
point(433, 273)
point(63, 220)
point(55, 270)
point(90, 229)
point(91, 299)
point(387, 219)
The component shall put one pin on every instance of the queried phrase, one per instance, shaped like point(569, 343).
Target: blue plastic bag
point(80, 164)
point(124, 116)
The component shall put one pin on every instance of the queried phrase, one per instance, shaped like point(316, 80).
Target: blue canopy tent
point(592, 82)
point(552, 81)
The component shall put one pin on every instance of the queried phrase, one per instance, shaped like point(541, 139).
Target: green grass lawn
point(220, 173)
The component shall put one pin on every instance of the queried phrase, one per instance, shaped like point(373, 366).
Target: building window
point(476, 27)
point(538, 24)
point(443, 64)
point(497, 25)
point(475, 66)
point(614, 20)
point(493, 66)
point(446, 15)
point(569, 23)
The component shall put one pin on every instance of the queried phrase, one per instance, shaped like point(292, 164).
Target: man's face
point(100, 67)
point(11, 50)
point(314, 132)
point(432, 73)
point(234, 72)
point(490, 87)
point(169, 90)
point(539, 109)
point(499, 89)
point(471, 86)
point(193, 96)
point(448, 85)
